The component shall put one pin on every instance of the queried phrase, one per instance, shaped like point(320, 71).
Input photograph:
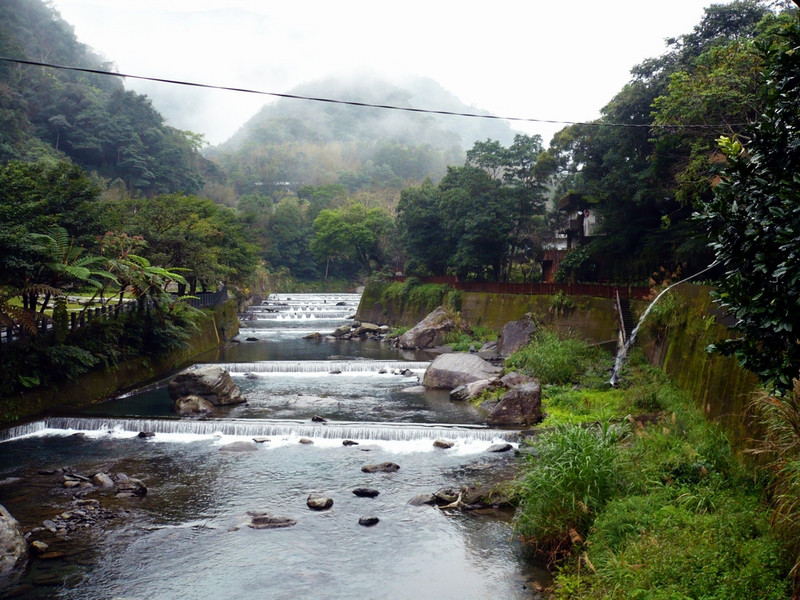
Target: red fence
point(598, 290)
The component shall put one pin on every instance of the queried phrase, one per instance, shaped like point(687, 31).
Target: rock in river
point(264, 520)
point(315, 502)
point(387, 467)
point(449, 371)
point(521, 405)
point(192, 406)
point(14, 553)
point(239, 447)
point(212, 383)
point(429, 332)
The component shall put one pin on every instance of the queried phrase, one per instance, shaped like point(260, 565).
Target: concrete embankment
point(675, 342)
point(217, 325)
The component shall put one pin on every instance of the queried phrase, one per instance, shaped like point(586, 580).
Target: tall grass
point(555, 360)
point(779, 448)
point(572, 472)
point(686, 520)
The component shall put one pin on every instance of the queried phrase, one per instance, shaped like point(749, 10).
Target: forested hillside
point(90, 119)
point(651, 160)
point(291, 143)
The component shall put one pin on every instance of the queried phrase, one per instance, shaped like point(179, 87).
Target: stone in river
point(499, 448)
point(349, 443)
point(102, 480)
point(239, 447)
point(263, 520)
point(319, 502)
point(422, 499)
point(365, 492)
point(368, 521)
point(444, 444)
point(387, 467)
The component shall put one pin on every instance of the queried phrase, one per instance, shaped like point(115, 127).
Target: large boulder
point(449, 371)
point(514, 336)
point(212, 383)
point(429, 332)
point(519, 406)
point(468, 391)
point(14, 553)
point(193, 406)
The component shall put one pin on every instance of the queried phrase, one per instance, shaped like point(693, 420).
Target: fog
point(552, 61)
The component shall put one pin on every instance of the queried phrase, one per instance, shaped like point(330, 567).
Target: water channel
point(188, 537)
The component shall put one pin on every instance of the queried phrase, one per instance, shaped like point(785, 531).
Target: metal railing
point(112, 311)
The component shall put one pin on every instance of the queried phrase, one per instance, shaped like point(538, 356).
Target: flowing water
point(188, 537)
point(622, 353)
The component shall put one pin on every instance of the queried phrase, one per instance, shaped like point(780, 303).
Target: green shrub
point(566, 405)
point(554, 360)
point(572, 472)
point(669, 312)
point(658, 545)
point(460, 341)
point(779, 449)
point(414, 295)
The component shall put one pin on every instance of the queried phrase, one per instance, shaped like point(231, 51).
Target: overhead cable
point(351, 102)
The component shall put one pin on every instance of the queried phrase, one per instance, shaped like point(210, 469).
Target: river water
point(189, 536)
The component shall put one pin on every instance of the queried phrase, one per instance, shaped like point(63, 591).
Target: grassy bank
point(633, 493)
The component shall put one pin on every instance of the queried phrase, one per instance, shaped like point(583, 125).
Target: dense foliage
point(655, 507)
point(479, 221)
point(91, 119)
point(753, 223)
point(59, 243)
point(652, 157)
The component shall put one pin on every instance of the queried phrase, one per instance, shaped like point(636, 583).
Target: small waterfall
point(622, 354)
point(263, 427)
point(20, 430)
point(324, 366)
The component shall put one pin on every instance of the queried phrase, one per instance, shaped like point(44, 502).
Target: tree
point(353, 234)
point(420, 228)
point(644, 181)
point(753, 223)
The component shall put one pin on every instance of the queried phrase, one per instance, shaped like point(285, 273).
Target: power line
point(350, 102)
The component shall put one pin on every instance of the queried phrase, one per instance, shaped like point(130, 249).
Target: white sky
point(556, 59)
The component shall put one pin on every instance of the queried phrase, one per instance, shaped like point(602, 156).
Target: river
point(189, 536)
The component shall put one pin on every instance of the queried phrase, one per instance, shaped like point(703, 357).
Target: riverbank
point(674, 338)
point(214, 327)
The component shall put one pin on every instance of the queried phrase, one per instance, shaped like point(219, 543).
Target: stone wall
point(719, 385)
point(219, 324)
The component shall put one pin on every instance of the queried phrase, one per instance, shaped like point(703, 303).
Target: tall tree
point(753, 223)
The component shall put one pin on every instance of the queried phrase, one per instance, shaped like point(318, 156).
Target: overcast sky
point(557, 59)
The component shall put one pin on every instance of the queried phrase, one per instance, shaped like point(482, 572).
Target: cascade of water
point(20, 430)
point(323, 366)
point(263, 427)
point(622, 354)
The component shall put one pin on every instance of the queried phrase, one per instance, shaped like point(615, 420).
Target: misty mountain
point(294, 120)
point(297, 142)
point(87, 118)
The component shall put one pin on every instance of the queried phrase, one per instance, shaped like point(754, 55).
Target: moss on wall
point(721, 387)
point(592, 319)
point(216, 326)
point(674, 337)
